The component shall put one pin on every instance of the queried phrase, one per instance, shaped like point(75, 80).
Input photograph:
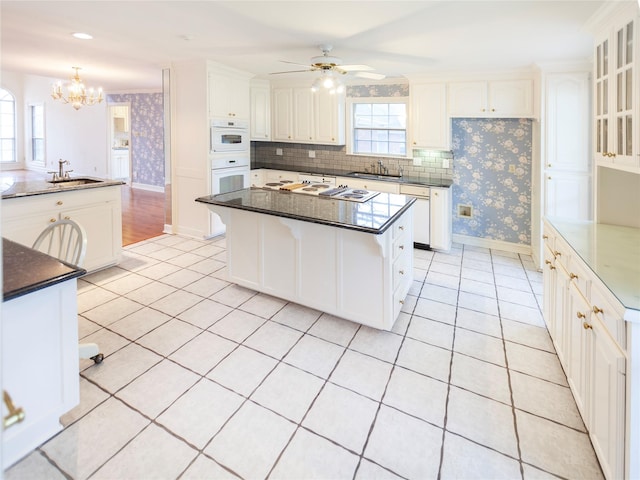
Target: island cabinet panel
point(359, 276)
point(39, 365)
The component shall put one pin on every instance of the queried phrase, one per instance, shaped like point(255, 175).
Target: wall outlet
point(512, 168)
point(445, 163)
point(312, 154)
point(465, 211)
point(278, 151)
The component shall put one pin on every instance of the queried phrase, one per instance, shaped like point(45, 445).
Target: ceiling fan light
point(328, 82)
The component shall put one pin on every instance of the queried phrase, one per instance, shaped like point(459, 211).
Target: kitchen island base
point(359, 276)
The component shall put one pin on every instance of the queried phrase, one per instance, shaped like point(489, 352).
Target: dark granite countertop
point(40, 187)
point(408, 180)
point(25, 270)
point(373, 216)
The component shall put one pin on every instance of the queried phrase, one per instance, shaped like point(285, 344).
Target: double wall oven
point(229, 156)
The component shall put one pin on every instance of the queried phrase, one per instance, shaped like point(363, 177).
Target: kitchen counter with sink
point(42, 186)
point(350, 259)
point(328, 172)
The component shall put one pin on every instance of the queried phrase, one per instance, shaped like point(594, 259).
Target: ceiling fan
point(333, 65)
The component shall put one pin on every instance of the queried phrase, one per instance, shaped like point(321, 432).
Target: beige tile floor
point(203, 379)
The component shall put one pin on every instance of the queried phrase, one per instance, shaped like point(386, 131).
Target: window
point(37, 133)
point(379, 127)
point(7, 127)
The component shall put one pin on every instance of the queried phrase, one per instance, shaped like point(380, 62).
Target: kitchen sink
point(73, 182)
point(380, 176)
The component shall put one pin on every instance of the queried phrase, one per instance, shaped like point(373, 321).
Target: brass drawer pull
point(16, 415)
point(580, 315)
point(597, 309)
point(572, 276)
point(586, 326)
point(557, 254)
point(544, 237)
point(59, 202)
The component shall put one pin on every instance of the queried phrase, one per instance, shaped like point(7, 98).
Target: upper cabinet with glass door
point(616, 102)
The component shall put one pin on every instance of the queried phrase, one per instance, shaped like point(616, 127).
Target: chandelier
point(78, 95)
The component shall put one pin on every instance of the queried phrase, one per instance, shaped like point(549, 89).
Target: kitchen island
point(352, 260)
point(39, 346)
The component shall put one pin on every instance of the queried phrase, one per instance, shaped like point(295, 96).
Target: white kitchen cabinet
point(98, 210)
point(260, 112)
point(567, 163)
point(440, 218)
point(279, 175)
point(492, 99)
point(429, 125)
point(229, 95)
point(39, 364)
point(302, 116)
point(616, 87)
point(257, 177)
point(586, 325)
point(120, 164)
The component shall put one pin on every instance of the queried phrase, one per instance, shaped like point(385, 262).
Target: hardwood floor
point(142, 214)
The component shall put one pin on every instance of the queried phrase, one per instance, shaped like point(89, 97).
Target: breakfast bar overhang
point(352, 260)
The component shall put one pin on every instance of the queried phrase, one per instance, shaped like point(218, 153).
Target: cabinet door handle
point(586, 326)
point(597, 309)
point(580, 315)
point(572, 276)
point(15, 415)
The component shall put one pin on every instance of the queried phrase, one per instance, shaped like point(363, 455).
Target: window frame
point(32, 159)
point(15, 131)
point(352, 101)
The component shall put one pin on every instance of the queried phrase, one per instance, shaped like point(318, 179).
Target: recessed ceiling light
point(82, 36)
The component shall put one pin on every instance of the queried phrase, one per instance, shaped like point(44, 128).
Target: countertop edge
point(210, 200)
point(19, 292)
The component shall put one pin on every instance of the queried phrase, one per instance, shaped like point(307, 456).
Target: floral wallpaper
point(492, 174)
point(392, 90)
point(147, 136)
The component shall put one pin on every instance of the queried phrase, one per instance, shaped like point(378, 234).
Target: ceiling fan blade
point(353, 68)
point(372, 76)
point(291, 71)
point(295, 63)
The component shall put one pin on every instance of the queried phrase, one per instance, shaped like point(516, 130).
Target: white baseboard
point(495, 244)
point(150, 188)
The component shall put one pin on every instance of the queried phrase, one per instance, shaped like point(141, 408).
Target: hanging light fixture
point(78, 95)
point(329, 81)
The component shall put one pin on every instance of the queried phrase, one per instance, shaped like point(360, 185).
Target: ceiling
point(133, 40)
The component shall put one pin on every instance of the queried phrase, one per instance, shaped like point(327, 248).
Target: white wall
point(80, 136)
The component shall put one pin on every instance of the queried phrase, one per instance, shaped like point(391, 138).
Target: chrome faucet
point(60, 174)
point(381, 168)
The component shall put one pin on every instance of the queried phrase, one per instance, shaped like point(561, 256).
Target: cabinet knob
point(557, 254)
point(547, 262)
point(333, 139)
point(266, 136)
point(59, 202)
point(52, 220)
point(544, 237)
point(401, 247)
point(493, 109)
point(580, 315)
point(401, 272)
point(402, 302)
point(597, 309)
point(483, 110)
point(435, 194)
point(549, 177)
point(586, 326)
point(549, 165)
point(572, 276)
point(67, 218)
point(400, 227)
point(289, 136)
point(414, 143)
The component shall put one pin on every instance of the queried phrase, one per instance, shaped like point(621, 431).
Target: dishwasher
point(421, 215)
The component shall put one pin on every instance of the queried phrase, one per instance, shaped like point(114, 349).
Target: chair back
point(65, 240)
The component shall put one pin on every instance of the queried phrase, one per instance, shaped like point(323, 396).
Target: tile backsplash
point(425, 164)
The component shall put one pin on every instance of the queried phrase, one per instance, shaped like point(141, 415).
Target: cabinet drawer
point(608, 309)
point(400, 271)
point(400, 227)
point(579, 274)
point(415, 190)
point(400, 246)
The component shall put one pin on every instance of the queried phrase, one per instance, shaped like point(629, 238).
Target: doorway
point(120, 141)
